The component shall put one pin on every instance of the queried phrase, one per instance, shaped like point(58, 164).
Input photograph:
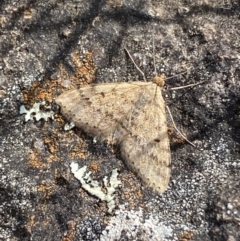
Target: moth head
point(159, 80)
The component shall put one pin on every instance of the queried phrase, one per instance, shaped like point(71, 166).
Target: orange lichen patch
point(77, 153)
point(46, 89)
point(78, 148)
point(94, 167)
point(35, 160)
point(40, 91)
point(186, 236)
point(59, 119)
point(85, 70)
point(71, 231)
point(51, 158)
point(51, 144)
point(46, 191)
point(83, 75)
point(132, 191)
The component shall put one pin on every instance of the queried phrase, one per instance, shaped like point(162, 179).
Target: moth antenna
point(175, 88)
point(179, 132)
point(187, 86)
point(154, 59)
point(173, 76)
point(130, 56)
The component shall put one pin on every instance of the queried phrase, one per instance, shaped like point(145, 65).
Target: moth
point(131, 115)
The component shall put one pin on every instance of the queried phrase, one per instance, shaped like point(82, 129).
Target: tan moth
point(131, 115)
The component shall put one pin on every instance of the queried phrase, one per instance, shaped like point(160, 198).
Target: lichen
point(68, 126)
point(93, 186)
point(36, 112)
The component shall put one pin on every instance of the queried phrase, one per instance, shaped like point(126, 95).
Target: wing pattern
point(131, 115)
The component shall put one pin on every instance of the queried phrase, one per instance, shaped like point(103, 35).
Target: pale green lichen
point(94, 188)
point(36, 112)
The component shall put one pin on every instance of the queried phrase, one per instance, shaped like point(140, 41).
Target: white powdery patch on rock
point(36, 112)
point(134, 226)
point(94, 188)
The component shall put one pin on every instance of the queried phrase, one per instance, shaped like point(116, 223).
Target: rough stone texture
point(40, 199)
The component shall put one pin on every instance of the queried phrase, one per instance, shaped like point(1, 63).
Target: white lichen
point(93, 186)
point(36, 112)
point(69, 126)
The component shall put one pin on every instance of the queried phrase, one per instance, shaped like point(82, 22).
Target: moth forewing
point(146, 148)
point(131, 115)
